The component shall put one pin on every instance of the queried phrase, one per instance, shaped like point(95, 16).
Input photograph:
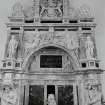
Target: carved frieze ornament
point(35, 39)
point(50, 8)
point(17, 10)
point(12, 47)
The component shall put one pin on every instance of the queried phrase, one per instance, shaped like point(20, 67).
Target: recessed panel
point(50, 61)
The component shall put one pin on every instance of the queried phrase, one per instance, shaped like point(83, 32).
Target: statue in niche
point(9, 96)
point(51, 99)
point(12, 47)
point(89, 46)
point(93, 95)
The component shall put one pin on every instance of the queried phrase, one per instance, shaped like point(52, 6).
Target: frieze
point(35, 39)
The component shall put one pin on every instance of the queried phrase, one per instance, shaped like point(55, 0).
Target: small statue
point(51, 99)
point(12, 47)
point(89, 45)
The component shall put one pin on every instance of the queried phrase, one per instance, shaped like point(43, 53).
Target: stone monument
point(50, 55)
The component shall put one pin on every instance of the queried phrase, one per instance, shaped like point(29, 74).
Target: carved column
point(26, 90)
point(45, 94)
point(80, 90)
point(21, 90)
point(75, 94)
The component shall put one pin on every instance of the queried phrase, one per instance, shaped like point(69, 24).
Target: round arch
point(71, 53)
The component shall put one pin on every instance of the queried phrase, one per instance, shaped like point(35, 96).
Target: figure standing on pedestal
point(12, 47)
point(51, 99)
point(89, 46)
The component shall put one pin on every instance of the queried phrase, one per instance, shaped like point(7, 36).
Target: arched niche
point(69, 60)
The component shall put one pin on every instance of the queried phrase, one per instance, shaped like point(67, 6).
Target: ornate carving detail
point(92, 92)
point(32, 39)
point(50, 8)
point(68, 66)
point(85, 12)
point(9, 95)
point(8, 77)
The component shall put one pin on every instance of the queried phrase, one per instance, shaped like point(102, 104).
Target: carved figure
point(12, 47)
point(93, 95)
point(89, 46)
point(9, 96)
point(51, 99)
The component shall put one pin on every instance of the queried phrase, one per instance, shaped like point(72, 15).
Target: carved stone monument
point(50, 53)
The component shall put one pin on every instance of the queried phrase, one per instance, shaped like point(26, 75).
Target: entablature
point(45, 24)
